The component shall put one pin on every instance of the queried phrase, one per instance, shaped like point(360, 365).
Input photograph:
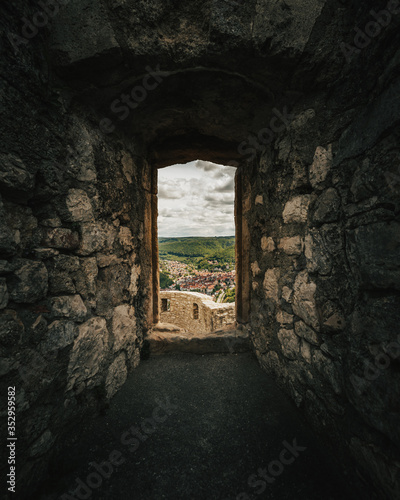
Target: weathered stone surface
point(128, 167)
point(287, 294)
point(317, 256)
point(53, 222)
point(305, 332)
point(133, 286)
point(9, 239)
point(116, 375)
point(320, 167)
point(291, 246)
point(126, 239)
point(271, 284)
point(79, 38)
point(296, 209)
point(98, 236)
point(29, 282)
point(267, 244)
point(112, 288)
point(7, 364)
point(284, 318)
point(304, 300)
point(14, 174)
point(107, 260)
point(6, 267)
point(11, 328)
point(124, 328)
point(88, 354)
point(42, 445)
point(62, 274)
point(60, 334)
point(327, 207)
point(305, 349)
point(79, 206)
point(86, 278)
point(333, 319)
point(60, 237)
point(326, 366)
point(45, 253)
point(69, 306)
point(290, 343)
point(373, 252)
point(255, 268)
point(3, 293)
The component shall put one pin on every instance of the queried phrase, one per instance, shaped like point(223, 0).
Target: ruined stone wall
point(211, 316)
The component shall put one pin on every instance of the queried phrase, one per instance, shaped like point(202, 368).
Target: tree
point(165, 280)
point(230, 295)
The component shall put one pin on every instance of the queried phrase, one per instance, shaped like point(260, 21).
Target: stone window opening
point(165, 305)
point(195, 311)
point(242, 196)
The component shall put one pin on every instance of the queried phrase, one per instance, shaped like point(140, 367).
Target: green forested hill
point(222, 247)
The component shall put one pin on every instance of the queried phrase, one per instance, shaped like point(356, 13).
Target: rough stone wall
point(212, 316)
point(75, 274)
point(71, 232)
point(326, 275)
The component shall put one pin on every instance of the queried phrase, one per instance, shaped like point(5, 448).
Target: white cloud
point(196, 199)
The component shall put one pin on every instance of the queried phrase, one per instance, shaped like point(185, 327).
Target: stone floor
point(207, 427)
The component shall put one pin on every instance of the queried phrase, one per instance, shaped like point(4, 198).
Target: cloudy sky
point(196, 199)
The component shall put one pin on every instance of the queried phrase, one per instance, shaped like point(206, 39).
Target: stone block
point(296, 209)
point(69, 306)
point(304, 304)
point(62, 271)
point(3, 293)
point(327, 207)
point(96, 237)
point(124, 328)
point(60, 334)
point(14, 174)
point(307, 333)
point(116, 375)
point(60, 237)
point(29, 283)
point(284, 318)
point(317, 257)
point(86, 365)
point(271, 284)
point(126, 239)
point(306, 352)
point(291, 246)
point(321, 166)
point(267, 244)
point(78, 206)
point(11, 328)
point(290, 343)
point(86, 277)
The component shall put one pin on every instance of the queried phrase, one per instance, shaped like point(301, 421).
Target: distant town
point(219, 283)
